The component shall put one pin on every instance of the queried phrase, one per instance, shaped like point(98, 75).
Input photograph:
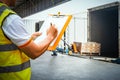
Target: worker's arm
point(35, 35)
point(34, 50)
point(14, 29)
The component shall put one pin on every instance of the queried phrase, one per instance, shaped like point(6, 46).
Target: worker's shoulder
point(12, 19)
point(13, 16)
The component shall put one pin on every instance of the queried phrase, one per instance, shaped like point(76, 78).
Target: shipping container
point(104, 27)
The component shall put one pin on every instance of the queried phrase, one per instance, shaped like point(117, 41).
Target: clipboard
point(61, 22)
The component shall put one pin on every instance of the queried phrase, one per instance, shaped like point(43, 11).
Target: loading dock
point(67, 67)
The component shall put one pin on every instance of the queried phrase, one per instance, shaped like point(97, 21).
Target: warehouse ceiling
point(28, 7)
point(20, 2)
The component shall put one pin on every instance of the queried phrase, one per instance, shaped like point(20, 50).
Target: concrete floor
point(64, 67)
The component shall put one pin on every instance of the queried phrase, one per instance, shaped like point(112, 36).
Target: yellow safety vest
point(14, 64)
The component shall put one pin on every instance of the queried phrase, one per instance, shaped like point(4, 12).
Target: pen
point(50, 24)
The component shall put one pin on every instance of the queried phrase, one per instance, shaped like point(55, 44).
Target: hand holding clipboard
point(61, 22)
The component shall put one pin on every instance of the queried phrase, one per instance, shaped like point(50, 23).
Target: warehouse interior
point(101, 29)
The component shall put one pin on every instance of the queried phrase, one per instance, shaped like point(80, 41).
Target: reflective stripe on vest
point(2, 8)
point(15, 68)
point(8, 47)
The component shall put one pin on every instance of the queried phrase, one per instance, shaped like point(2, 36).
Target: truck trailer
point(104, 28)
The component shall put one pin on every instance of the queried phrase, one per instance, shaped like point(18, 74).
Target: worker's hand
point(52, 32)
point(35, 35)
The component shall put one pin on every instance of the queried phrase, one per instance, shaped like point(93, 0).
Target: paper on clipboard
point(61, 22)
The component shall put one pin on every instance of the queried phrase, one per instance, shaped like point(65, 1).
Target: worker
point(17, 45)
point(54, 53)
